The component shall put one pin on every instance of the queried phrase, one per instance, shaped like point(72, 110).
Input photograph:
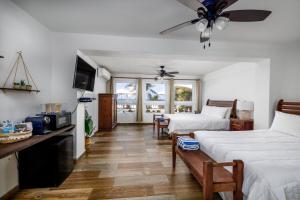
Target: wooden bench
point(211, 175)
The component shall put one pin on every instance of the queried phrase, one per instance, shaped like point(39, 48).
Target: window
point(184, 99)
point(127, 99)
point(155, 98)
point(126, 96)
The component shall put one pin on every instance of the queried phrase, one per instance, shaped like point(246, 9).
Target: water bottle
point(6, 128)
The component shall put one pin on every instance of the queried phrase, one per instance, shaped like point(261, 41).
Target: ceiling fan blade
point(247, 15)
point(193, 4)
point(169, 75)
point(173, 72)
point(179, 26)
point(223, 4)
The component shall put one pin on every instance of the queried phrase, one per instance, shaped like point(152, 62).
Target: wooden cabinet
point(107, 111)
point(241, 125)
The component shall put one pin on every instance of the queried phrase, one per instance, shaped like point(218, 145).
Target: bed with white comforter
point(271, 158)
point(192, 122)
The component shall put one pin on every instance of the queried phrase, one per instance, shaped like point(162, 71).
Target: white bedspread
point(272, 161)
point(180, 122)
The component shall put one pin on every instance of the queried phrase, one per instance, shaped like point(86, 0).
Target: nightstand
point(241, 125)
point(161, 124)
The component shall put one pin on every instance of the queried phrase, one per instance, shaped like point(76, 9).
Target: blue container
point(6, 130)
point(37, 124)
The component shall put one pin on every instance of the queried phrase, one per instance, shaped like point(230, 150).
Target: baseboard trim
point(77, 159)
point(10, 193)
point(128, 124)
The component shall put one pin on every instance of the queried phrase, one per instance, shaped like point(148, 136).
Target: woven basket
point(14, 137)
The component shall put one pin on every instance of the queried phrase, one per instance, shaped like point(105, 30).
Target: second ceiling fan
point(162, 73)
point(211, 14)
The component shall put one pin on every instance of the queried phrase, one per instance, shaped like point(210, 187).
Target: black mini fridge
point(46, 164)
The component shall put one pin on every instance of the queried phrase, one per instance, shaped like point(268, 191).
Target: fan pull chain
point(210, 35)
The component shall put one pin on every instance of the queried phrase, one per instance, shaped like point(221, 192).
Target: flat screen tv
point(84, 76)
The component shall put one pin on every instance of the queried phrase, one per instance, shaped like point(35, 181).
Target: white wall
point(92, 108)
point(66, 44)
point(79, 139)
point(289, 73)
point(233, 82)
point(262, 95)
point(285, 70)
point(242, 81)
point(19, 31)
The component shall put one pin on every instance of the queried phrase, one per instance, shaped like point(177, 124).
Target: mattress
point(272, 161)
point(183, 122)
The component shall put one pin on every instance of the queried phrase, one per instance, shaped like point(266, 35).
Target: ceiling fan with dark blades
point(162, 73)
point(211, 14)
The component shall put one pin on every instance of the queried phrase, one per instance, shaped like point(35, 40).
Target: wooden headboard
point(289, 107)
point(231, 104)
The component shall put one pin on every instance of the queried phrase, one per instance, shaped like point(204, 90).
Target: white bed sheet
point(182, 122)
point(272, 161)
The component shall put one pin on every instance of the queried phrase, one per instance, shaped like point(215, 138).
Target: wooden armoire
point(107, 111)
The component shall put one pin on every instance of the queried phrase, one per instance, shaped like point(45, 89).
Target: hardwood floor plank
point(128, 163)
point(47, 194)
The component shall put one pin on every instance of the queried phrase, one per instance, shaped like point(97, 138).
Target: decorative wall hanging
point(27, 84)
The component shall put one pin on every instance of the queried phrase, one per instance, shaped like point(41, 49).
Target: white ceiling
point(147, 65)
point(146, 18)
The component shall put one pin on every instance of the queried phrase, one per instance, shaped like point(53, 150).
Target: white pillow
point(213, 111)
point(286, 123)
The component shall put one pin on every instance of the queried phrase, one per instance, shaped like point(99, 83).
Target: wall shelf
point(4, 89)
point(27, 81)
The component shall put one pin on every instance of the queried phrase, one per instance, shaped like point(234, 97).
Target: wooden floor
point(127, 163)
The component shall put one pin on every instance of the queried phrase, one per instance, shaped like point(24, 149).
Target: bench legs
point(209, 186)
point(174, 141)
point(158, 131)
point(153, 127)
point(208, 190)
point(174, 144)
point(238, 176)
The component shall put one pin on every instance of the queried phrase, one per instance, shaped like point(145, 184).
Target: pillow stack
point(216, 112)
point(286, 123)
point(188, 143)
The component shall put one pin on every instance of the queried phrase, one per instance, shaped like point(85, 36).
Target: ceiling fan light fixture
point(202, 25)
point(160, 78)
point(222, 22)
point(206, 33)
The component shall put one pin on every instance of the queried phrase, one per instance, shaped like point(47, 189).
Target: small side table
point(241, 125)
point(160, 125)
point(155, 117)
